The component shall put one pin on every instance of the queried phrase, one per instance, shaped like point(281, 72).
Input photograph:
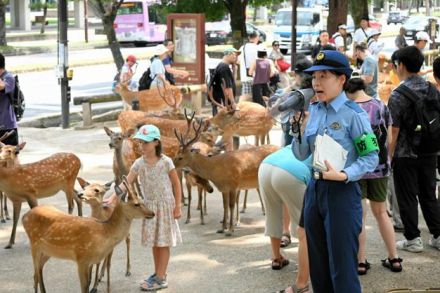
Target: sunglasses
point(276, 45)
point(396, 63)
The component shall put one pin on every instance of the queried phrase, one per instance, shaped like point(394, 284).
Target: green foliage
point(213, 10)
point(265, 2)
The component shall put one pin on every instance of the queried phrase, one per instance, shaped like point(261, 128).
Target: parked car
point(415, 24)
point(396, 17)
point(220, 32)
point(374, 23)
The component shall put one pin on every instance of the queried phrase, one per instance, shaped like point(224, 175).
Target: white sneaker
point(435, 242)
point(415, 245)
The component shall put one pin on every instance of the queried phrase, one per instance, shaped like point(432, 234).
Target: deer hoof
point(3, 221)
point(237, 224)
point(229, 233)
point(94, 290)
point(128, 274)
point(9, 246)
point(221, 231)
point(243, 211)
point(187, 221)
point(202, 223)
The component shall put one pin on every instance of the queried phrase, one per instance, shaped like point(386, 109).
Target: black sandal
point(278, 264)
point(295, 289)
point(390, 264)
point(363, 268)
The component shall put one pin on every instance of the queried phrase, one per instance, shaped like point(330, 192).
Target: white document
point(326, 148)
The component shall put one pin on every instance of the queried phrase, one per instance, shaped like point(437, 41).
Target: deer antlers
point(164, 96)
point(225, 94)
point(183, 139)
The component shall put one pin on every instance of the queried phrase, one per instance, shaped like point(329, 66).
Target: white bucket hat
point(159, 50)
point(423, 36)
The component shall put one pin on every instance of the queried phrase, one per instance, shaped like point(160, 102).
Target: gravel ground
point(206, 261)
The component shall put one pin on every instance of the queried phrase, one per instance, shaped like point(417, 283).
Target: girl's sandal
point(363, 268)
point(295, 289)
point(285, 240)
point(278, 264)
point(394, 265)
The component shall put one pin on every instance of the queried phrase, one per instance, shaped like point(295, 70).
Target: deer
point(229, 171)
point(10, 153)
point(154, 99)
point(203, 187)
point(93, 195)
point(86, 241)
point(44, 178)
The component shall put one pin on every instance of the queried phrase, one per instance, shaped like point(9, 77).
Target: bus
point(136, 23)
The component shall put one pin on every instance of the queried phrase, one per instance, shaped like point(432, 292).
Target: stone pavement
point(206, 261)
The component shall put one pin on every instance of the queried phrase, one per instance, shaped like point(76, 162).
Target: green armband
point(366, 143)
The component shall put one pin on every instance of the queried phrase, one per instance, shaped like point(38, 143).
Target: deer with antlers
point(229, 172)
point(44, 178)
point(154, 99)
point(86, 241)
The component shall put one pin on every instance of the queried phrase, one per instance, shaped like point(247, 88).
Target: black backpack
point(425, 124)
point(145, 81)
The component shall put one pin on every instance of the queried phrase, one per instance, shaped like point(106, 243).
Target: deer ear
point(21, 145)
point(1, 144)
point(108, 185)
point(108, 131)
point(82, 182)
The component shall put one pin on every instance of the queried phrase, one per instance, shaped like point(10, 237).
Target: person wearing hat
point(339, 36)
point(420, 41)
point(333, 208)
point(222, 88)
point(127, 72)
point(373, 43)
point(157, 69)
point(262, 69)
point(160, 186)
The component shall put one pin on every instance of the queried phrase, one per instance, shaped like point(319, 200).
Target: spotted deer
point(44, 178)
point(85, 241)
point(229, 172)
point(10, 153)
point(93, 195)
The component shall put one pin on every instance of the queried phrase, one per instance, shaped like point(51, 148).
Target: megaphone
point(298, 100)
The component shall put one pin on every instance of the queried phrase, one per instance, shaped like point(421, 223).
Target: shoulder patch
point(354, 106)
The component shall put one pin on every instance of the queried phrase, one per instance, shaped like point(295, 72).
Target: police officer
point(333, 210)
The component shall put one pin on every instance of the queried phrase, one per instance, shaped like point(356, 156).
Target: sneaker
point(435, 242)
point(154, 284)
point(415, 245)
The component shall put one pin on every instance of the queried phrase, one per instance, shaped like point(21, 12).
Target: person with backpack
point(157, 69)
point(8, 120)
point(415, 109)
point(127, 72)
point(374, 184)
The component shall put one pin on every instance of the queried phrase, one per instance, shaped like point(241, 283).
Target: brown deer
point(154, 99)
point(203, 187)
point(93, 195)
point(229, 172)
point(44, 178)
point(248, 119)
point(10, 160)
point(86, 241)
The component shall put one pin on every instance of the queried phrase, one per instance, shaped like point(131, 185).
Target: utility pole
point(293, 35)
point(428, 7)
point(86, 21)
point(63, 62)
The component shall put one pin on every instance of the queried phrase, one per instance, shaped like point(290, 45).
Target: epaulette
point(353, 105)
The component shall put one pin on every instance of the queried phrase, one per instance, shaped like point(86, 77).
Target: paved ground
point(206, 261)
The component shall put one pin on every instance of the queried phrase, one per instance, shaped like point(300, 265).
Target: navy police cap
point(333, 61)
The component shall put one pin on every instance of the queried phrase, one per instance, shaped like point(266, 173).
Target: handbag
point(283, 65)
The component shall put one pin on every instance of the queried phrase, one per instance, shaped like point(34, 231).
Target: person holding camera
point(333, 207)
point(8, 120)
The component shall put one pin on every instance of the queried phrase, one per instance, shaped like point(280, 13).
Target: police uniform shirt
point(344, 121)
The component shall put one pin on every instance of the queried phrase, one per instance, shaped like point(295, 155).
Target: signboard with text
point(188, 34)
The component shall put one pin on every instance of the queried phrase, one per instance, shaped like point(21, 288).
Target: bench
point(87, 102)
point(39, 19)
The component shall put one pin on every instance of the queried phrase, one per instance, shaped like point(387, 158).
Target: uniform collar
point(337, 103)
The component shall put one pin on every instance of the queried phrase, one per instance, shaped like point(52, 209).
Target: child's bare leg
point(162, 263)
point(156, 257)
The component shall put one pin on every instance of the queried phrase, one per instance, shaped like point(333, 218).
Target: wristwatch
point(317, 175)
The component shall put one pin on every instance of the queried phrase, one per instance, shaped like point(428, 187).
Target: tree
point(3, 4)
point(43, 24)
point(338, 9)
point(106, 10)
point(358, 9)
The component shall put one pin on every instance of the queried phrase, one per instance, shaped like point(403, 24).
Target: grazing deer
point(248, 119)
point(93, 195)
point(229, 172)
point(44, 178)
point(203, 186)
point(86, 241)
point(154, 99)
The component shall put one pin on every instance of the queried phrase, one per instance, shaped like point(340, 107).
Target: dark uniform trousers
point(333, 222)
point(416, 178)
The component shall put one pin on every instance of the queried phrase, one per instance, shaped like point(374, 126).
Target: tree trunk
point(107, 22)
point(2, 23)
point(358, 9)
point(43, 24)
point(255, 13)
point(237, 10)
point(338, 9)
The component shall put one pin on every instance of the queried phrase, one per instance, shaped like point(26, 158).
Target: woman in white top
point(373, 44)
point(157, 68)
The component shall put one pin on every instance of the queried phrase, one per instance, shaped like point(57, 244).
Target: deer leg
point(95, 284)
point(257, 140)
point(204, 202)
point(267, 138)
point(225, 211)
point(103, 266)
point(232, 199)
point(180, 175)
point(17, 209)
point(188, 214)
point(5, 205)
point(109, 257)
point(78, 203)
point(2, 216)
point(261, 202)
point(83, 274)
point(127, 242)
point(243, 210)
point(200, 192)
point(237, 204)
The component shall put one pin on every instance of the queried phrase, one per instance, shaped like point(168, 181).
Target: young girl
point(159, 182)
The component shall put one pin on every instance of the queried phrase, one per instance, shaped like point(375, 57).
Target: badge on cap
point(320, 56)
point(335, 126)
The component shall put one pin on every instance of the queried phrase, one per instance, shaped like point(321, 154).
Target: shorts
point(258, 91)
point(246, 87)
point(374, 189)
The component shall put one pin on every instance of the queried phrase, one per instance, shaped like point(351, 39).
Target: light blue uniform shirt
point(284, 159)
point(343, 120)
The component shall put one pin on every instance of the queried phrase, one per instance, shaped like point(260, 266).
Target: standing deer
point(203, 186)
point(44, 178)
point(10, 160)
point(93, 195)
point(86, 241)
point(229, 172)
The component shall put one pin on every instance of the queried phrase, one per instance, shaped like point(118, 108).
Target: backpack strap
point(408, 93)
